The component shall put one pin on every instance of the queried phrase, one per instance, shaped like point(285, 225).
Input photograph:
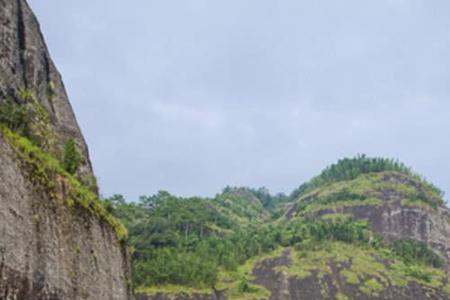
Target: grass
point(229, 281)
point(232, 281)
point(369, 189)
point(342, 204)
point(369, 269)
point(371, 287)
point(46, 172)
point(172, 290)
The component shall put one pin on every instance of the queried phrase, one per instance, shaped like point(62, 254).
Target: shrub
point(15, 117)
point(71, 158)
point(351, 168)
point(413, 252)
point(418, 273)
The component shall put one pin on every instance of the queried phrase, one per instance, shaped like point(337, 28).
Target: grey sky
point(192, 95)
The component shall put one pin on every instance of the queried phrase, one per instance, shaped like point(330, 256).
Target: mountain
point(57, 240)
point(365, 228)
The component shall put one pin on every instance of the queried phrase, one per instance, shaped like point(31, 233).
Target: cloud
point(192, 96)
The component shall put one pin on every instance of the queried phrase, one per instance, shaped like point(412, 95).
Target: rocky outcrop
point(51, 247)
point(26, 67)
point(398, 215)
point(331, 283)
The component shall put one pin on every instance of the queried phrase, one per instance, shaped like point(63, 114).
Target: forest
point(190, 241)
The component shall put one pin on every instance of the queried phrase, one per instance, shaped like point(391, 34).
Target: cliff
point(57, 241)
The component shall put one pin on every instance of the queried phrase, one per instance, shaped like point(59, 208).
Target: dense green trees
point(71, 157)
point(189, 241)
point(350, 168)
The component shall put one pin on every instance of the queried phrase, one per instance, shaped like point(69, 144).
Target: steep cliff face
point(56, 239)
point(26, 69)
point(395, 205)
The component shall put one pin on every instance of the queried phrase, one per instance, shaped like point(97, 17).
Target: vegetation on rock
point(71, 158)
point(201, 244)
point(46, 172)
point(351, 168)
point(216, 243)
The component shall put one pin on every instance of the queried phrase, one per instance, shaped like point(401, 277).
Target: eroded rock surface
point(25, 65)
point(48, 249)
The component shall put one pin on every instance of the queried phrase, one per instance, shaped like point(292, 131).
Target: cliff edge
point(57, 241)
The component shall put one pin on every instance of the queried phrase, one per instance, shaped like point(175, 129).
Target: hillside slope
point(363, 229)
point(57, 241)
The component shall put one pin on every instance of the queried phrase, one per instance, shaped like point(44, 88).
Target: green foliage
point(46, 172)
point(185, 241)
point(414, 252)
point(168, 235)
point(245, 287)
point(203, 243)
point(266, 199)
point(371, 287)
point(189, 242)
point(72, 157)
point(339, 196)
point(418, 272)
point(371, 189)
point(26, 95)
point(15, 117)
point(351, 168)
point(28, 118)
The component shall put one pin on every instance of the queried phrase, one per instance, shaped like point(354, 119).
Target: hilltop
point(363, 229)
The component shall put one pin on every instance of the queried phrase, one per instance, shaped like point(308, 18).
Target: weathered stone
point(48, 250)
point(25, 64)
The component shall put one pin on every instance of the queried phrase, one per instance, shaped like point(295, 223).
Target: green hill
point(363, 229)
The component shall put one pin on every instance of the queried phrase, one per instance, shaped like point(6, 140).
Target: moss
point(370, 269)
point(370, 189)
point(26, 94)
point(350, 277)
point(341, 204)
point(232, 281)
point(45, 171)
point(416, 203)
point(340, 296)
point(51, 92)
point(172, 290)
point(335, 216)
point(348, 169)
point(371, 287)
point(324, 291)
point(40, 125)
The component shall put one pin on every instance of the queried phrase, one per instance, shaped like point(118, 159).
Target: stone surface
point(312, 287)
point(48, 250)
point(395, 220)
point(25, 64)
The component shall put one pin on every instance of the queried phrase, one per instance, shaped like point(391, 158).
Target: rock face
point(334, 284)
point(25, 65)
point(48, 250)
point(398, 214)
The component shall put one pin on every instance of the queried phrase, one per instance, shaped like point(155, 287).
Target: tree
point(71, 158)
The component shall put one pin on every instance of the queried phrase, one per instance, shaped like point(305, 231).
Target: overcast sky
point(192, 95)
